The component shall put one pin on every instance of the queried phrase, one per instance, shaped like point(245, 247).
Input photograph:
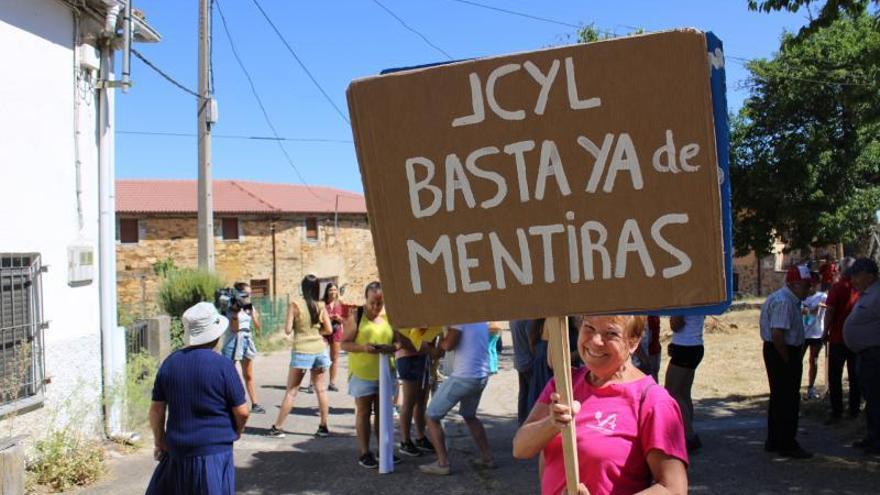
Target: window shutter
point(142, 230)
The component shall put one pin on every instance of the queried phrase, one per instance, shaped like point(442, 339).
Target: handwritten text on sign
point(541, 172)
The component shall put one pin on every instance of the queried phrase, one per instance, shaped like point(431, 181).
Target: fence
point(273, 312)
point(136, 338)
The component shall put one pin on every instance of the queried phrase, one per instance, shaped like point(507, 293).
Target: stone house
point(759, 277)
point(270, 235)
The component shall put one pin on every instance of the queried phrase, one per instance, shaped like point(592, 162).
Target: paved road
point(732, 461)
point(303, 464)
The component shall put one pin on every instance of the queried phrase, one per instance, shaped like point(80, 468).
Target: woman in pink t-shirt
point(629, 429)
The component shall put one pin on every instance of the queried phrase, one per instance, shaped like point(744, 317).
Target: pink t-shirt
point(613, 438)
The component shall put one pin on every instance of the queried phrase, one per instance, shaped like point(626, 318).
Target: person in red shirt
point(828, 273)
point(841, 299)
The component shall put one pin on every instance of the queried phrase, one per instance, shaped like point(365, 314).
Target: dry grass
point(733, 367)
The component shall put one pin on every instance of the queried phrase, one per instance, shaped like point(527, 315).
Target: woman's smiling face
point(604, 343)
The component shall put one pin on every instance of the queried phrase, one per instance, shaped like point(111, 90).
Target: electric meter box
point(80, 265)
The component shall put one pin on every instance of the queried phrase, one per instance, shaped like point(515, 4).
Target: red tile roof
point(233, 196)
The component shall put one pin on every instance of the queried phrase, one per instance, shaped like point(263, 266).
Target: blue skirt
point(212, 474)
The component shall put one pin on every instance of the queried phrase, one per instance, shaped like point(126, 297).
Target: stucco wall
point(39, 193)
point(346, 253)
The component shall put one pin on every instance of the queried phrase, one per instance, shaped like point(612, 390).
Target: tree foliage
point(805, 148)
point(824, 16)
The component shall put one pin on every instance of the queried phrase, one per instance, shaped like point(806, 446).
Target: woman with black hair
point(337, 313)
point(367, 337)
point(309, 323)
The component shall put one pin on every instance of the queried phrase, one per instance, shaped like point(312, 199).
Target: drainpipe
point(107, 228)
point(274, 272)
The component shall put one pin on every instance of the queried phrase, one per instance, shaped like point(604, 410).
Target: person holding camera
point(238, 344)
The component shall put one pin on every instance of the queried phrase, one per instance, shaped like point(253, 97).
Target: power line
point(300, 62)
point(238, 136)
point(266, 117)
point(413, 30)
point(519, 14)
point(162, 73)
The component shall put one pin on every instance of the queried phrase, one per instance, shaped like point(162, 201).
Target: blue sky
point(345, 39)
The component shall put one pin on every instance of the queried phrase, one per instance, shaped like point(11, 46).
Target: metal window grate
point(136, 338)
point(22, 360)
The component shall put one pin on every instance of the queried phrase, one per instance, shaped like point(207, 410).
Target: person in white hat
point(200, 394)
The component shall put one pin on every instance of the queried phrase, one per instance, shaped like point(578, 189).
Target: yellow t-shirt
point(307, 338)
point(365, 365)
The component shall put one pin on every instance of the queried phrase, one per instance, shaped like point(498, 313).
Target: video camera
point(229, 300)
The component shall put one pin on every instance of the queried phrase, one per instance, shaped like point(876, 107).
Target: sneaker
point(257, 409)
point(395, 459)
point(424, 445)
point(309, 390)
point(368, 461)
point(322, 431)
point(797, 453)
point(863, 443)
point(435, 469)
point(408, 448)
point(275, 433)
point(812, 394)
point(480, 463)
point(332, 388)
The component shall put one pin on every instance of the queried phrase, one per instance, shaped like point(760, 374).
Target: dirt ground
point(730, 393)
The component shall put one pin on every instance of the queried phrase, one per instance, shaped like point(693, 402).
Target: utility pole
point(206, 117)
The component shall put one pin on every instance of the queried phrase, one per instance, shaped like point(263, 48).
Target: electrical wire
point(259, 100)
point(413, 30)
point(162, 73)
point(518, 14)
point(301, 63)
point(238, 136)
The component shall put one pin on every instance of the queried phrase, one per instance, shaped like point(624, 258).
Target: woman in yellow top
point(309, 323)
point(366, 336)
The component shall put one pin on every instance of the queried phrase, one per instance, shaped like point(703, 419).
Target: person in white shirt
point(685, 353)
point(464, 387)
point(814, 328)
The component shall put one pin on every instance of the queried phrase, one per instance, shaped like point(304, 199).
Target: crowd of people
point(631, 432)
point(840, 308)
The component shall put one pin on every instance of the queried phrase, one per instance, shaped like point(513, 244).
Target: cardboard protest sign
point(580, 179)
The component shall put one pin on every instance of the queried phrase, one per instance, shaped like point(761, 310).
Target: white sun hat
point(202, 324)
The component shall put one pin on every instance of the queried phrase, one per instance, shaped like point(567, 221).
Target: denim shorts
point(302, 361)
point(466, 392)
point(358, 387)
point(411, 368)
point(239, 345)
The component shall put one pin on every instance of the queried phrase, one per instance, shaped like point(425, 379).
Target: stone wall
point(345, 252)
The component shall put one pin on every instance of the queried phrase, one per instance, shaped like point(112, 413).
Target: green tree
point(185, 287)
point(805, 148)
point(824, 16)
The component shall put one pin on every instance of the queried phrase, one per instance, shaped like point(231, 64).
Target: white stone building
point(59, 338)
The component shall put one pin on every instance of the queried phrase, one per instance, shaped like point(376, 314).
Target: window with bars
point(22, 362)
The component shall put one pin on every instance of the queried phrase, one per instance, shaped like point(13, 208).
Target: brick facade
point(344, 251)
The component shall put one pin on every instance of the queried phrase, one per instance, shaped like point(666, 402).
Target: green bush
point(184, 287)
point(65, 458)
point(176, 334)
point(135, 390)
